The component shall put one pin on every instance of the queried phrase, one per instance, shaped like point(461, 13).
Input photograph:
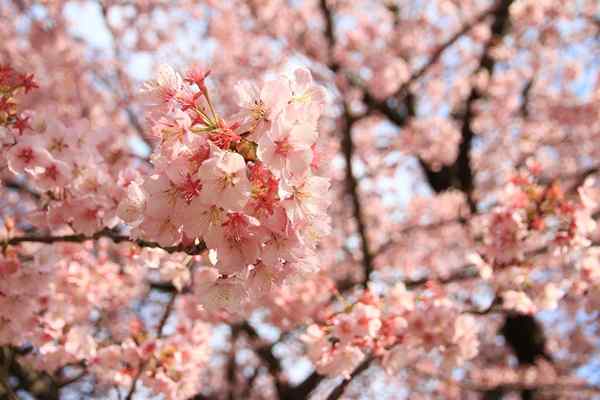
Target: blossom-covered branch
point(380, 188)
point(193, 249)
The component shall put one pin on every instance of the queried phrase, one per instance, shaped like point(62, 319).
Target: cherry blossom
point(299, 200)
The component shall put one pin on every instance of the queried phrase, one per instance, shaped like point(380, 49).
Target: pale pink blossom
point(286, 148)
point(260, 105)
point(132, 207)
point(225, 181)
point(518, 301)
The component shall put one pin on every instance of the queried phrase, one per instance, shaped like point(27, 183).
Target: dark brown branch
point(105, 233)
point(352, 187)
point(382, 105)
point(37, 383)
point(525, 94)
point(460, 275)
point(500, 388)
point(21, 187)
point(581, 176)
point(348, 152)
point(249, 384)
point(338, 391)
point(463, 170)
point(159, 334)
point(73, 379)
point(265, 353)
point(412, 228)
point(6, 390)
point(329, 34)
point(131, 116)
point(304, 389)
point(460, 174)
point(231, 366)
point(273, 365)
point(402, 91)
point(166, 315)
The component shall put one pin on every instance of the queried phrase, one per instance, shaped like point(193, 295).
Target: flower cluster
point(534, 218)
point(246, 186)
point(536, 212)
point(12, 82)
point(400, 329)
point(71, 165)
point(165, 365)
point(435, 139)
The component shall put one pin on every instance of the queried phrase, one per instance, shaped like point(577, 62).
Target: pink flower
point(197, 74)
point(87, 215)
point(240, 243)
point(162, 203)
point(399, 299)
point(308, 99)
point(27, 155)
point(308, 199)
point(164, 230)
point(330, 359)
point(283, 242)
point(162, 195)
point(201, 221)
point(518, 301)
point(225, 180)
point(173, 129)
point(132, 207)
point(260, 105)
point(363, 321)
point(9, 266)
point(161, 91)
point(551, 296)
point(261, 280)
point(223, 294)
point(80, 343)
point(59, 139)
point(465, 336)
point(316, 341)
point(505, 237)
point(286, 148)
point(56, 174)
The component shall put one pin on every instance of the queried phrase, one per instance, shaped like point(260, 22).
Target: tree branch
point(21, 187)
point(195, 249)
point(409, 229)
point(382, 105)
point(348, 151)
point(131, 116)
point(159, 334)
point(437, 54)
point(338, 391)
point(352, 187)
point(266, 355)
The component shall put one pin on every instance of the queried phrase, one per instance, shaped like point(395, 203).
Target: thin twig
point(105, 233)
point(338, 391)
